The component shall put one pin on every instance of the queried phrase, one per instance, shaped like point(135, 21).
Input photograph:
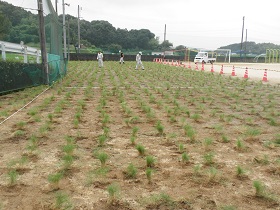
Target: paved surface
point(255, 70)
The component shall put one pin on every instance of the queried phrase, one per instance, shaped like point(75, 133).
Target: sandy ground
point(255, 70)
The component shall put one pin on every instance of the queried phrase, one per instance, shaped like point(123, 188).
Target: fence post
point(25, 54)
point(37, 56)
point(3, 51)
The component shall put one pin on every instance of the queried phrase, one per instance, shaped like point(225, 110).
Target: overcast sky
point(207, 24)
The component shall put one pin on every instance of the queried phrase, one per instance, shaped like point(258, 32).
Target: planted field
point(162, 138)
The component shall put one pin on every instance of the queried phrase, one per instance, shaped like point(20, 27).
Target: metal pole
point(56, 6)
point(68, 32)
point(245, 47)
point(43, 41)
point(64, 31)
point(242, 38)
point(79, 29)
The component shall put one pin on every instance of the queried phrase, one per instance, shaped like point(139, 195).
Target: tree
point(5, 26)
point(166, 45)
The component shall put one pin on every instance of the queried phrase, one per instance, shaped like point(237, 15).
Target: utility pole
point(68, 32)
point(79, 36)
point(64, 30)
point(164, 33)
point(242, 38)
point(56, 6)
point(43, 41)
point(245, 45)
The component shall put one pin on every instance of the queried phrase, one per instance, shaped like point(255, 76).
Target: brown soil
point(226, 110)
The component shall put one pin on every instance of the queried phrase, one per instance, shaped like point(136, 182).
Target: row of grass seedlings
point(67, 160)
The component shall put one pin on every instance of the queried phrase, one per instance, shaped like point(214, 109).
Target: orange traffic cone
point(265, 76)
point(222, 70)
point(233, 72)
point(212, 68)
point(246, 73)
point(189, 65)
point(202, 66)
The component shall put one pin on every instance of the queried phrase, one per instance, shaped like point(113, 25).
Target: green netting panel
point(57, 67)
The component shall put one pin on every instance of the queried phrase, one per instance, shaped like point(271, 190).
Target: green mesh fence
point(16, 75)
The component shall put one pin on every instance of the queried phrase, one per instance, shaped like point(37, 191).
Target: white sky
point(207, 24)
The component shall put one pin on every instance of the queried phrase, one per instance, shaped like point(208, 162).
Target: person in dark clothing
point(121, 57)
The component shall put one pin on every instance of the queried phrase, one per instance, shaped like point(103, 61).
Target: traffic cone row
point(177, 63)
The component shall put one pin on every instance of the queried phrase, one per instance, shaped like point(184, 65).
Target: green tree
point(5, 26)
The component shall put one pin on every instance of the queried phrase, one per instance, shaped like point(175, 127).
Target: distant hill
point(251, 47)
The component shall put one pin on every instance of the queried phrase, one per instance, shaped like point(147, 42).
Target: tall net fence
point(16, 75)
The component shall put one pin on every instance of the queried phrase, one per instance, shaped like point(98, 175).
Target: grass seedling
point(20, 125)
point(113, 190)
point(141, 149)
point(50, 117)
point(212, 173)
point(19, 133)
point(150, 160)
point(132, 140)
point(134, 131)
point(54, 179)
point(62, 201)
point(185, 158)
point(272, 121)
point(240, 145)
point(191, 134)
point(225, 138)
point(149, 172)
point(106, 131)
point(13, 175)
point(208, 158)
point(197, 169)
point(207, 143)
point(196, 117)
point(131, 171)
point(240, 171)
point(67, 161)
point(181, 148)
point(69, 149)
point(101, 140)
point(260, 188)
point(159, 128)
point(103, 157)
point(32, 144)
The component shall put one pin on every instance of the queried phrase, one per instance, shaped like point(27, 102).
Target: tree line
point(17, 24)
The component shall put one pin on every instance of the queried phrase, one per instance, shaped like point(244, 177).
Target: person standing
point(138, 61)
point(121, 57)
point(100, 59)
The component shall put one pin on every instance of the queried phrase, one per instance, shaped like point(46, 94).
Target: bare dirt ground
point(213, 139)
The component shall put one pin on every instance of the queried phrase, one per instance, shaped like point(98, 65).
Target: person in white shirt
point(100, 59)
point(138, 61)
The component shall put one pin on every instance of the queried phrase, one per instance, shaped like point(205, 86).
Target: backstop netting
point(16, 75)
